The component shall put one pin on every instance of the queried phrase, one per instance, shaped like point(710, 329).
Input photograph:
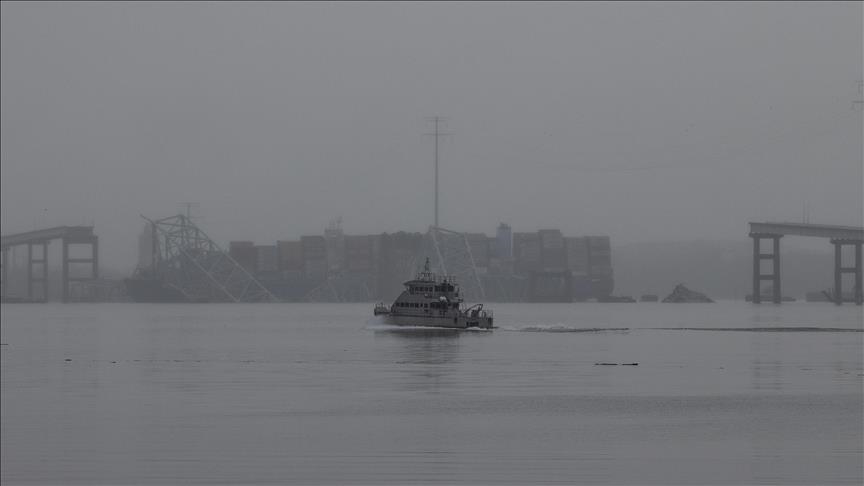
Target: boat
point(431, 300)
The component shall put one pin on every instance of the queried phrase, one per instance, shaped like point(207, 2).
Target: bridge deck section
point(834, 232)
point(72, 234)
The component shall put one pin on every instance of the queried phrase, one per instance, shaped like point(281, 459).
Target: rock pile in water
point(683, 294)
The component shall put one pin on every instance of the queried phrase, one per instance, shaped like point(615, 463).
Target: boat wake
point(564, 328)
point(761, 329)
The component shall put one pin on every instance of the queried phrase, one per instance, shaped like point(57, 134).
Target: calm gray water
point(725, 393)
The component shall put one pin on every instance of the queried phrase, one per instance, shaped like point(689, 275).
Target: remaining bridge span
point(839, 236)
point(851, 233)
point(68, 235)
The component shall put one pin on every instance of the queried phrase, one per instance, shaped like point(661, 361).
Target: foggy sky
point(643, 121)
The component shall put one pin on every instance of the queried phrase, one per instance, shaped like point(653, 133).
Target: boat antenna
point(426, 266)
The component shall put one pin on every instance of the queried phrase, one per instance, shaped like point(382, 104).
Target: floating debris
point(682, 294)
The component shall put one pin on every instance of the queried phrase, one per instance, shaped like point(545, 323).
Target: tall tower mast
point(437, 134)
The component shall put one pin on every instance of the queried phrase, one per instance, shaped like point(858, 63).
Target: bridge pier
point(31, 278)
point(93, 260)
point(838, 235)
point(758, 276)
point(4, 292)
point(839, 270)
point(68, 235)
point(859, 290)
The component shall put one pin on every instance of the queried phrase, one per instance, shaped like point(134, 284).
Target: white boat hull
point(450, 322)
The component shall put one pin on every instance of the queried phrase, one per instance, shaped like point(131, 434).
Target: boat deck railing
point(434, 277)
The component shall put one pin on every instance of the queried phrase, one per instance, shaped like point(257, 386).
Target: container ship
point(540, 266)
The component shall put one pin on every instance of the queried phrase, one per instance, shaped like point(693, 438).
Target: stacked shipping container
point(526, 252)
point(359, 253)
point(290, 258)
point(600, 256)
point(244, 253)
point(577, 255)
point(479, 245)
point(545, 262)
point(314, 251)
point(553, 253)
point(267, 260)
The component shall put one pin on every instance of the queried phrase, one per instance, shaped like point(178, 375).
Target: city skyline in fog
point(644, 122)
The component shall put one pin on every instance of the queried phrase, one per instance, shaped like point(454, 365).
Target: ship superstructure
point(430, 300)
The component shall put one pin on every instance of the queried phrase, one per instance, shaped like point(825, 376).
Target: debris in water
point(683, 294)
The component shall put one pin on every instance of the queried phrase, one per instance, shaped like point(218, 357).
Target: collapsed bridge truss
point(186, 259)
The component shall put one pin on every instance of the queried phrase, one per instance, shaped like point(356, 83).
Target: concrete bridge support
point(838, 235)
point(839, 270)
point(758, 276)
point(68, 235)
point(93, 260)
point(32, 279)
point(4, 289)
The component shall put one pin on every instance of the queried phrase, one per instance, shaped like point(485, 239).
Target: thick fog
point(642, 121)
